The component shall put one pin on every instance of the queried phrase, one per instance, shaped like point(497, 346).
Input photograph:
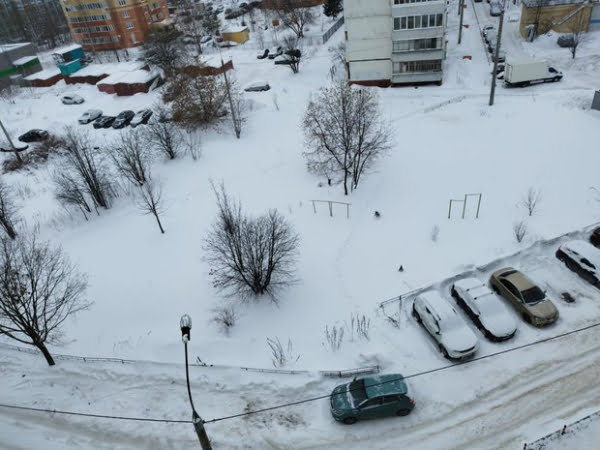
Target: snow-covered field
point(447, 143)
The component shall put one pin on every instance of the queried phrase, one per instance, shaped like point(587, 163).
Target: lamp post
point(186, 326)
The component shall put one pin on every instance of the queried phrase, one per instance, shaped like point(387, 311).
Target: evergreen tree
point(331, 8)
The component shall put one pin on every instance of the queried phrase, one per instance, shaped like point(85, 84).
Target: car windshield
point(358, 392)
point(533, 295)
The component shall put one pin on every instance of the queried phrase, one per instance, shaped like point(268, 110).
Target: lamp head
point(186, 326)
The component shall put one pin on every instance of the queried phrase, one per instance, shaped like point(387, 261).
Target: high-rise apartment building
point(395, 41)
point(112, 24)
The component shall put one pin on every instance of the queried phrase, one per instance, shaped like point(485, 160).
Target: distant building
point(562, 16)
point(39, 21)
point(17, 61)
point(112, 24)
point(395, 41)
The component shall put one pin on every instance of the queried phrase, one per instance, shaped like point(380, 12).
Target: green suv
point(371, 397)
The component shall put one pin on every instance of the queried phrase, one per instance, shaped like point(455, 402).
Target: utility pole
point(10, 142)
point(462, 13)
point(497, 54)
point(236, 123)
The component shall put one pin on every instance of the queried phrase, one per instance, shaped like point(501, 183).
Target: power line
point(101, 416)
point(311, 399)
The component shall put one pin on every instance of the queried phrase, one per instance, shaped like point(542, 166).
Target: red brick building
point(112, 24)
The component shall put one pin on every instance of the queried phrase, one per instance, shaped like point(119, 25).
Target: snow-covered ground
point(447, 143)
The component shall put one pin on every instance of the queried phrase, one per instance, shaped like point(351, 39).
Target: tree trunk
point(42, 347)
point(158, 221)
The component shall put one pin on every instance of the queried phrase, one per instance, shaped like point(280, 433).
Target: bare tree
point(150, 201)
point(131, 157)
point(198, 100)
point(39, 290)
point(8, 210)
point(70, 193)
point(237, 104)
point(578, 25)
point(345, 133)
point(87, 162)
point(163, 49)
point(193, 144)
point(225, 318)
point(249, 256)
point(531, 200)
point(293, 52)
point(520, 230)
point(165, 138)
point(292, 15)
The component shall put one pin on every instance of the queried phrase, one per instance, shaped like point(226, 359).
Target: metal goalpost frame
point(330, 203)
point(464, 203)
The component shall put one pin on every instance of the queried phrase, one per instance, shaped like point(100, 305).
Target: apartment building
point(112, 24)
point(392, 42)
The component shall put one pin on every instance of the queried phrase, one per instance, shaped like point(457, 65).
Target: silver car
point(89, 116)
point(72, 99)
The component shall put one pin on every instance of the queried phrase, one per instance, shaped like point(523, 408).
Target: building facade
point(112, 24)
point(395, 41)
point(562, 16)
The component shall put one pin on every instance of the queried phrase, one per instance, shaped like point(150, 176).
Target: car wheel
point(526, 318)
point(494, 288)
point(350, 420)
point(403, 412)
point(444, 351)
point(416, 314)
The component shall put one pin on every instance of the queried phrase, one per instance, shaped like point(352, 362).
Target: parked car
point(72, 99)
point(484, 308)
point(263, 54)
point(595, 238)
point(582, 258)
point(566, 40)
point(527, 298)
point(257, 86)
point(89, 116)
point(491, 36)
point(501, 56)
point(485, 31)
point(455, 339)
point(34, 135)
point(283, 60)
point(104, 121)
point(123, 119)
point(275, 52)
point(495, 8)
point(371, 397)
point(141, 117)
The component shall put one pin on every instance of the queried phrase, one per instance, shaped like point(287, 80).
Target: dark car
point(275, 52)
point(104, 121)
point(123, 119)
point(34, 135)
point(595, 238)
point(566, 41)
point(263, 54)
point(371, 397)
point(582, 258)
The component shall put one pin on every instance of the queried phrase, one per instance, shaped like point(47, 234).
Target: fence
point(336, 26)
point(540, 444)
point(200, 363)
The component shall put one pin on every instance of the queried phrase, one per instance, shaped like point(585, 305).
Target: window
point(587, 263)
point(417, 45)
point(417, 66)
point(371, 402)
point(125, 14)
point(122, 2)
point(415, 22)
point(129, 25)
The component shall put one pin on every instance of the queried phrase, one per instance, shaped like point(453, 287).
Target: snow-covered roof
point(233, 29)
point(109, 68)
point(24, 60)
point(536, 3)
point(135, 76)
point(66, 49)
point(9, 47)
point(43, 75)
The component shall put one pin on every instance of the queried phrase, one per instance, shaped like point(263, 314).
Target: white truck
point(525, 72)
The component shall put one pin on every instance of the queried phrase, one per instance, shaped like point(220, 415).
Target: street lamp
point(186, 326)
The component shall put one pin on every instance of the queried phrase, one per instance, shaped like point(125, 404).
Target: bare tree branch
point(150, 201)
point(8, 210)
point(131, 157)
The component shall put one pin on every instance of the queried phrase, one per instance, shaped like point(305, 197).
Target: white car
point(257, 86)
point(89, 116)
point(485, 309)
point(582, 258)
point(455, 339)
point(72, 99)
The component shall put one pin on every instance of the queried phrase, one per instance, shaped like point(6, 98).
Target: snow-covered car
point(490, 36)
point(257, 86)
point(104, 121)
point(495, 8)
point(582, 258)
point(527, 298)
point(263, 54)
point(34, 135)
point(141, 117)
point(484, 308)
point(72, 99)
point(89, 116)
point(455, 339)
point(371, 397)
point(595, 237)
point(486, 30)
